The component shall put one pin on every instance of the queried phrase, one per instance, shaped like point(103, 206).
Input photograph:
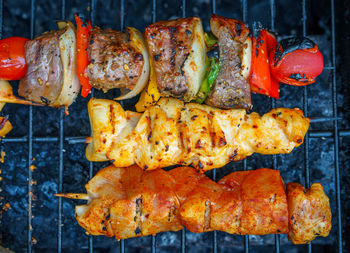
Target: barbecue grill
point(45, 151)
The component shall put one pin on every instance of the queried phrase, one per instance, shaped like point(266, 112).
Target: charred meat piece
point(114, 63)
point(177, 51)
point(51, 78)
point(230, 89)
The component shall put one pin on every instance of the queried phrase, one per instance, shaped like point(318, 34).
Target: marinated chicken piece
point(231, 89)
point(177, 51)
point(309, 213)
point(51, 78)
point(173, 132)
point(127, 202)
point(130, 202)
point(114, 63)
point(245, 202)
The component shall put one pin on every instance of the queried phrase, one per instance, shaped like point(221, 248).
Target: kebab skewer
point(130, 202)
point(174, 52)
point(173, 132)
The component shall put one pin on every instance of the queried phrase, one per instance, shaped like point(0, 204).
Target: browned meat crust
point(43, 81)
point(230, 89)
point(113, 62)
point(169, 46)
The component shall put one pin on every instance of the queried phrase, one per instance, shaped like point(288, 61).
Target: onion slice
point(70, 83)
point(137, 42)
point(246, 58)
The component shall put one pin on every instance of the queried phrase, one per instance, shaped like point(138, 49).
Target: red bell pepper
point(83, 37)
point(296, 61)
point(261, 80)
point(13, 64)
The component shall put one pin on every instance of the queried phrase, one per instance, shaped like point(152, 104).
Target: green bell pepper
point(212, 74)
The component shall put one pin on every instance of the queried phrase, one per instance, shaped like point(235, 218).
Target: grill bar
point(273, 105)
point(244, 17)
point(154, 18)
point(336, 136)
point(60, 182)
point(30, 145)
point(91, 164)
point(214, 233)
point(213, 6)
point(122, 14)
point(61, 166)
point(305, 108)
point(122, 25)
point(183, 231)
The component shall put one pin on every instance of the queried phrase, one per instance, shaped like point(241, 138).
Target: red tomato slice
point(13, 64)
point(298, 67)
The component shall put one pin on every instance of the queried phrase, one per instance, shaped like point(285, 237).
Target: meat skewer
point(174, 52)
point(172, 133)
point(131, 202)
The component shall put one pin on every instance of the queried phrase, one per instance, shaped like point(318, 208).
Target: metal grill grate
point(62, 140)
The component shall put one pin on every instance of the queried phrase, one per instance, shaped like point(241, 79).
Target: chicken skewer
point(131, 202)
point(173, 132)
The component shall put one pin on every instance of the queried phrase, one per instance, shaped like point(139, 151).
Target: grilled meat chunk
point(43, 80)
point(51, 78)
point(230, 89)
point(309, 213)
point(173, 132)
point(114, 63)
point(130, 202)
point(177, 51)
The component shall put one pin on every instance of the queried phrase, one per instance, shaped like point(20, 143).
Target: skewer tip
point(83, 196)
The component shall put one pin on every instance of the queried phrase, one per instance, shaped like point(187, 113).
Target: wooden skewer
point(83, 196)
point(15, 100)
point(6, 95)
